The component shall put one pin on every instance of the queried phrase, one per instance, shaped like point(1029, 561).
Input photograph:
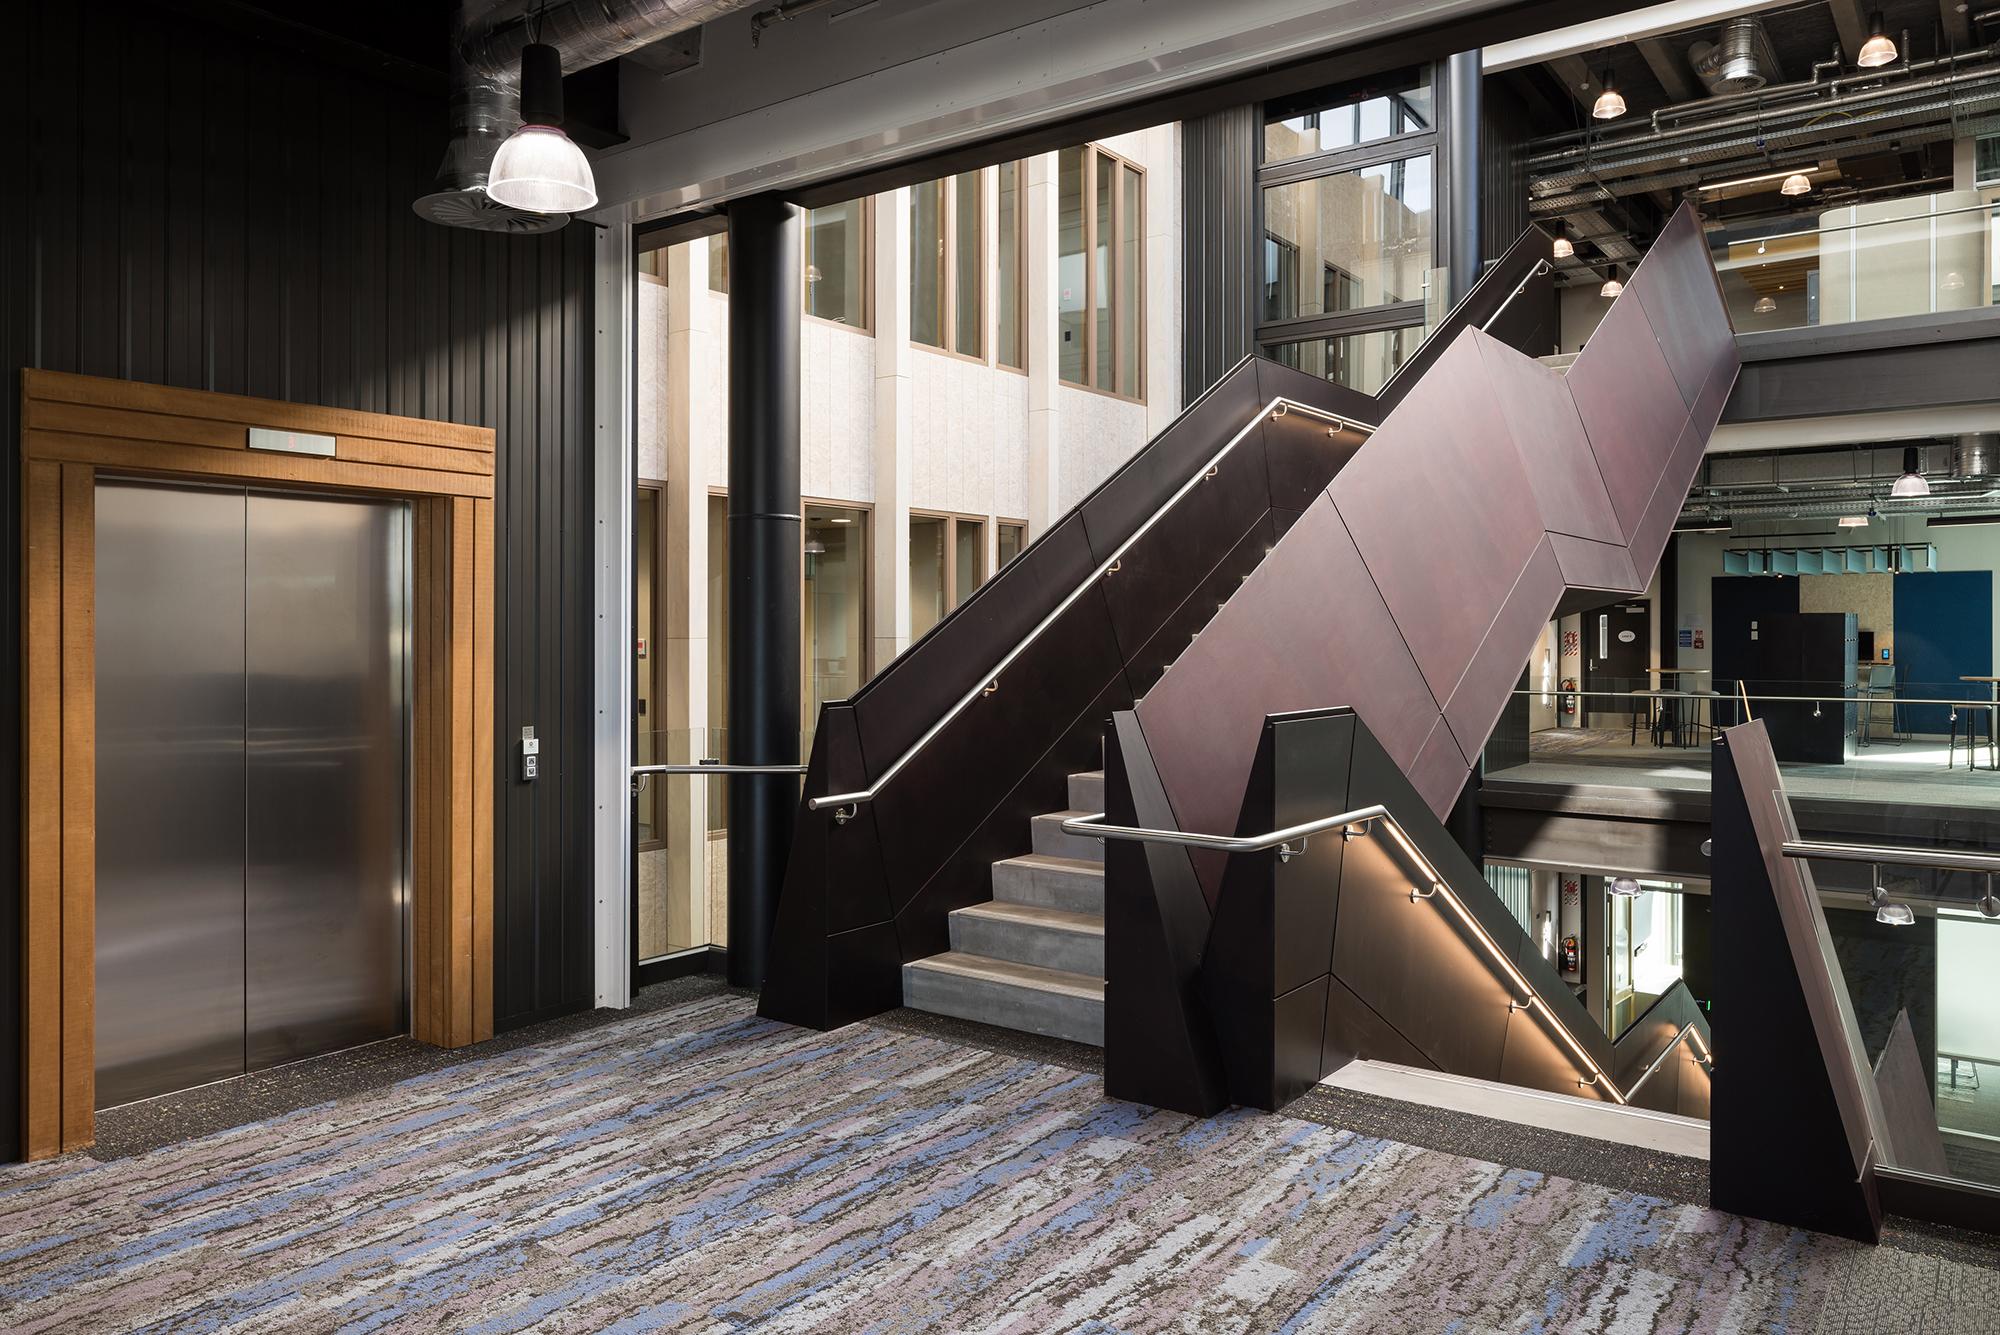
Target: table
point(1694, 697)
point(1992, 724)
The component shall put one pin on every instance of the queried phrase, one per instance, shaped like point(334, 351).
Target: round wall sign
point(1627, 636)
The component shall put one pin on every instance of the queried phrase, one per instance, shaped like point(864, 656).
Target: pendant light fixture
point(1878, 49)
point(1798, 183)
point(1624, 887)
point(1912, 482)
point(539, 168)
point(1764, 305)
point(1612, 285)
point(1610, 104)
point(1887, 911)
point(1562, 249)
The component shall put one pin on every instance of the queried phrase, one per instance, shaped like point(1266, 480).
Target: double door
point(252, 781)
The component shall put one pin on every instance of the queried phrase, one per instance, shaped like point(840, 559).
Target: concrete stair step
point(1052, 1002)
point(1051, 839)
point(1031, 934)
point(1072, 884)
point(1086, 791)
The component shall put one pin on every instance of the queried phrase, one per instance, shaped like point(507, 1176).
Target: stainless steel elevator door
point(252, 779)
point(325, 649)
point(170, 789)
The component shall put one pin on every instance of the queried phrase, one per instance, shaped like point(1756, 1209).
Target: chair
point(1881, 685)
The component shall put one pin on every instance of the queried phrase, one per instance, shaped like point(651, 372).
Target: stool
point(1973, 719)
point(1701, 710)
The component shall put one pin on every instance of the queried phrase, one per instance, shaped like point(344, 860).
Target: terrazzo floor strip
point(697, 1168)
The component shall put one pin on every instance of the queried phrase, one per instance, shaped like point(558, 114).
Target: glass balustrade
point(1872, 261)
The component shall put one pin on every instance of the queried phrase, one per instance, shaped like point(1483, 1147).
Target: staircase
point(1032, 957)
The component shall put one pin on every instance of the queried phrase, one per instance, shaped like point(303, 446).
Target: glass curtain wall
point(1348, 196)
point(1010, 292)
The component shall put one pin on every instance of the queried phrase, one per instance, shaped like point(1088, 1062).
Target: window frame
point(947, 266)
point(953, 518)
point(866, 279)
point(1000, 522)
point(643, 725)
point(1092, 155)
point(1353, 158)
point(1020, 284)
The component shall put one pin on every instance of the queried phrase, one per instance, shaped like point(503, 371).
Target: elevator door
point(252, 781)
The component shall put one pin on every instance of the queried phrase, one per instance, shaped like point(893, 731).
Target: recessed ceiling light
point(1854, 521)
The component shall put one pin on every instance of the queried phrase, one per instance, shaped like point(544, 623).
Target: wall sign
point(291, 442)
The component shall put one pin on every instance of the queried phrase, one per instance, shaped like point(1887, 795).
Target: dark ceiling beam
point(1578, 78)
point(1851, 24)
point(1672, 71)
point(1957, 25)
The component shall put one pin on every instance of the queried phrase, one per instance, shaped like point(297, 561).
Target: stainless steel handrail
point(1541, 267)
point(989, 681)
point(1355, 824)
point(1688, 1034)
point(638, 773)
point(1941, 859)
point(1859, 698)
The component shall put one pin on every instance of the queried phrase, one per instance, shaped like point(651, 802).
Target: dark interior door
point(1617, 649)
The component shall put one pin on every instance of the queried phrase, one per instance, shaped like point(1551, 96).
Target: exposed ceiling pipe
point(487, 38)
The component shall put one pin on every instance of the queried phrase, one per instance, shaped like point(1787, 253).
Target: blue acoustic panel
point(1944, 631)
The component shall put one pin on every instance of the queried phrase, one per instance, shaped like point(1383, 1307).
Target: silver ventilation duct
point(1975, 454)
point(487, 39)
point(1740, 60)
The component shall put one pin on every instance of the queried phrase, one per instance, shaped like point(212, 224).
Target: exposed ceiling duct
point(1827, 484)
point(1976, 454)
point(1739, 60)
point(487, 39)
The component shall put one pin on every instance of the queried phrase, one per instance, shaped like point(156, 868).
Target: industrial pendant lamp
point(1912, 482)
point(1562, 249)
point(1798, 183)
point(539, 168)
point(1610, 104)
point(1887, 911)
point(1612, 285)
point(1764, 305)
point(1878, 49)
point(1624, 887)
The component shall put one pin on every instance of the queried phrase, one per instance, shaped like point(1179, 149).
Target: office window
point(947, 562)
point(836, 267)
point(1368, 231)
point(1012, 538)
point(947, 309)
point(718, 262)
point(1359, 361)
point(1281, 269)
point(1101, 263)
point(834, 637)
point(1317, 123)
point(1010, 296)
point(653, 264)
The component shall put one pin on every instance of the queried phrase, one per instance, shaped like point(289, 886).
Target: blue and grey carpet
point(697, 1168)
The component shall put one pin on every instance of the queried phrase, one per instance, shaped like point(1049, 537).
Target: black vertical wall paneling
point(209, 211)
point(1219, 248)
point(1503, 171)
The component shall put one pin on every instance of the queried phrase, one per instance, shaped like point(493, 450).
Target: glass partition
point(1874, 261)
point(1349, 240)
point(1359, 361)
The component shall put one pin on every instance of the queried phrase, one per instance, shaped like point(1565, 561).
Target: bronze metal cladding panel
point(1490, 678)
point(1595, 565)
point(1308, 630)
point(1436, 504)
point(1631, 407)
point(1438, 773)
point(1649, 538)
point(1911, 1127)
point(1684, 305)
point(1549, 437)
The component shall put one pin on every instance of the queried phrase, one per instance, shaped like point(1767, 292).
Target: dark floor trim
point(710, 960)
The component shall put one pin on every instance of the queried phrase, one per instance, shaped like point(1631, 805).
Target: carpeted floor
point(697, 1168)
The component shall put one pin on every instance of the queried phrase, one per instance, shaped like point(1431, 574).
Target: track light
point(1878, 49)
point(539, 169)
point(1624, 887)
point(1911, 483)
point(1562, 249)
point(1612, 286)
point(1796, 184)
point(1610, 104)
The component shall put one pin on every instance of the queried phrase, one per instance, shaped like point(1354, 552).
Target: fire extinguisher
point(1569, 954)
point(1569, 701)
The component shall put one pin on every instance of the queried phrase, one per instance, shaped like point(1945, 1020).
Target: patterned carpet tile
point(700, 1169)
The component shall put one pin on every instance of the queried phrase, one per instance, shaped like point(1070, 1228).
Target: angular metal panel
point(1684, 304)
point(1306, 631)
point(1631, 407)
point(1548, 435)
point(1489, 680)
point(1436, 504)
point(1595, 565)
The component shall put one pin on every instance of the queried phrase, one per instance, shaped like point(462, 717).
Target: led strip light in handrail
point(1291, 841)
point(843, 804)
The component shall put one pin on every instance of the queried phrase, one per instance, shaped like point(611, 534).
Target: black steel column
point(1462, 161)
point(764, 546)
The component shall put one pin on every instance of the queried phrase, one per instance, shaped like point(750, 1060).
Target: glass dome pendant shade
point(1610, 104)
point(1912, 482)
point(1613, 285)
point(1561, 248)
point(539, 168)
point(1878, 50)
